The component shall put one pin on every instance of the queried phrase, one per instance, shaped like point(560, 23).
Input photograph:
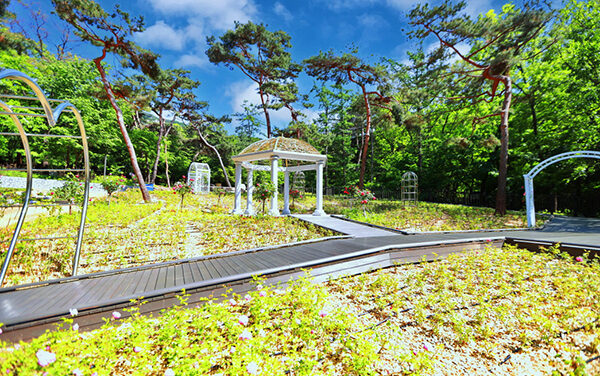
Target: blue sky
point(177, 30)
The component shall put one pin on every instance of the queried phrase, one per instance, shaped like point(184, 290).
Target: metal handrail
point(52, 116)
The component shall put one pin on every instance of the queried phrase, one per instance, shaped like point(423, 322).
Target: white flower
point(243, 320)
point(252, 368)
point(73, 311)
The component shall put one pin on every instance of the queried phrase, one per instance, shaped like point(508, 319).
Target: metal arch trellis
point(542, 165)
point(199, 177)
point(409, 188)
point(51, 115)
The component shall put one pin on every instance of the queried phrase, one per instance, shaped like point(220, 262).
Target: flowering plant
point(264, 191)
point(111, 184)
point(363, 196)
point(294, 194)
point(182, 189)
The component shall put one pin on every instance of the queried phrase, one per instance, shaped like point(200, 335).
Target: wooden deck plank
point(132, 278)
point(250, 262)
point(180, 271)
point(142, 281)
point(224, 263)
point(171, 276)
point(202, 270)
point(161, 279)
point(195, 272)
point(112, 284)
point(219, 266)
point(214, 274)
point(152, 280)
point(233, 265)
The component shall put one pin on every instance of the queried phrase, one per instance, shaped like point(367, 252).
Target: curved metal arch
point(28, 186)
point(52, 116)
point(39, 93)
point(542, 165)
point(561, 157)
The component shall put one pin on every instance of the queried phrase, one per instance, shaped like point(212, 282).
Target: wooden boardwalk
point(345, 227)
point(28, 310)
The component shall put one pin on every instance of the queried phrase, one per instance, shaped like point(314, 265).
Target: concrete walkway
point(560, 223)
point(356, 230)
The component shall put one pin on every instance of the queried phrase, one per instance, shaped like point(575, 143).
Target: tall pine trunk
point(503, 163)
point(367, 138)
point(121, 122)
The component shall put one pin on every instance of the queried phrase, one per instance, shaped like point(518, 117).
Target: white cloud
point(241, 91)
point(282, 11)
point(219, 14)
point(191, 60)
point(372, 21)
point(474, 8)
point(348, 4)
point(401, 4)
point(162, 35)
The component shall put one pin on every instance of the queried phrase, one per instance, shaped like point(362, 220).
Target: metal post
point(237, 204)
point(529, 201)
point(274, 210)
point(286, 194)
point(249, 191)
point(319, 210)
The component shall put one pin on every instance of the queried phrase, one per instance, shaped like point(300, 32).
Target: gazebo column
point(286, 194)
point(274, 210)
point(249, 191)
point(237, 203)
point(319, 210)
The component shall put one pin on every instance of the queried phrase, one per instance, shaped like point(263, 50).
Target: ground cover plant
point(496, 311)
point(426, 216)
point(129, 233)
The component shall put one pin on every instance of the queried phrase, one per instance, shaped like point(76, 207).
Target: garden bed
point(501, 311)
point(129, 233)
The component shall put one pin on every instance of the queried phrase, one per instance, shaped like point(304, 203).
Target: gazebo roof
point(282, 147)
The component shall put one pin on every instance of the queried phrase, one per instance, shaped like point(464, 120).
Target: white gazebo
point(274, 150)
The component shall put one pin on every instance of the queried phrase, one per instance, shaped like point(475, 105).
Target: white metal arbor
point(536, 170)
point(409, 188)
point(198, 177)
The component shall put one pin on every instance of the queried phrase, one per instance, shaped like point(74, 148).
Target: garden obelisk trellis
point(536, 170)
point(51, 115)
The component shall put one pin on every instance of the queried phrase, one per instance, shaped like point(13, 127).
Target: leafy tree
point(10, 39)
point(162, 94)
point(193, 113)
point(250, 125)
point(349, 68)
point(334, 132)
point(496, 44)
point(110, 32)
point(263, 57)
